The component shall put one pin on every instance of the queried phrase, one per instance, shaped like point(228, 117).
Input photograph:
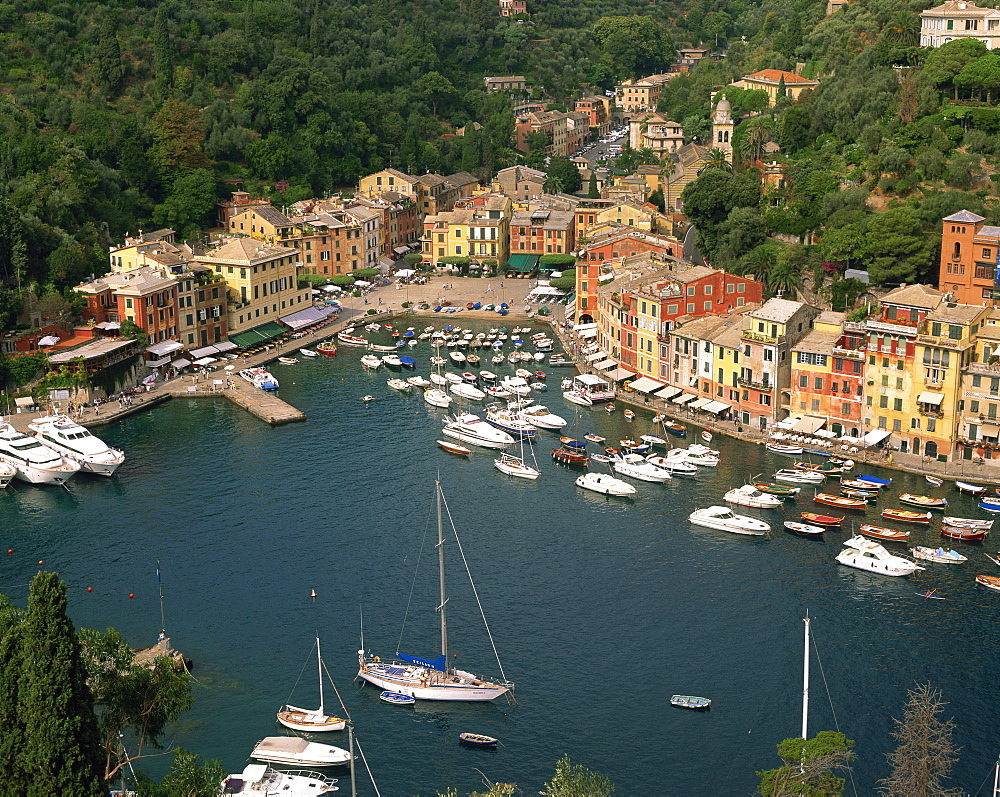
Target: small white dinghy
point(298, 751)
point(514, 466)
point(605, 485)
point(938, 555)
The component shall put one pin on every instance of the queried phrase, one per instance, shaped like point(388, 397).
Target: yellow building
point(978, 427)
point(480, 231)
point(133, 253)
point(646, 335)
point(771, 80)
point(387, 180)
point(636, 215)
point(262, 282)
point(263, 223)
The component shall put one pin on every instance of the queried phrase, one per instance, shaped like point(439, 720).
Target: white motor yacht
point(678, 466)
point(697, 457)
point(795, 476)
point(454, 379)
point(465, 390)
point(578, 397)
point(35, 463)
point(865, 554)
point(418, 381)
point(7, 473)
point(259, 780)
point(75, 442)
point(748, 495)
point(495, 391)
point(510, 421)
point(399, 384)
point(437, 397)
point(539, 416)
point(392, 361)
point(297, 751)
point(722, 517)
point(635, 466)
point(437, 379)
point(605, 484)
point(260, 378)
point(371, 361)
point(470, 428)
point(516, 384)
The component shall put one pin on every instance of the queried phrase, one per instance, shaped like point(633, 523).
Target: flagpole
point(159, 583)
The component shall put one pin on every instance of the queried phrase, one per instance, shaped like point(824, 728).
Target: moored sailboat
point(302, 719)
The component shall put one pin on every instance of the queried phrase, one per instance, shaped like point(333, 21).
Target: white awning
point(404, 272)
point(183, 362)
point(205, 361)
point(619, 374)
point(584, 327)
point(825, 433)
point(788, 423)
point(48, 340)
point(362, 283)
point(699, 404)
point(157, 363)
point(668, 392)
point(928, 397)
point(604, 365)
point(164, 347)
point(597, 355)
point(875, 436)
point(683, 398)
point(809, 424)
point(715, 407)
point(646, 385)
point(588, 333)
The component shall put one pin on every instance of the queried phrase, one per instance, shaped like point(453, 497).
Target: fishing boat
point(821, 520)
point(571, 456)
point(934, 481)
point(418, 381)
point(967, 522)
point(311, 353)
point(792, 476)
point(407, 362)
point(296, 751)
point(925, 501)
point(259, 780)
point(302, 719)
point(882, 533)
point(454, 448)
point(368, 398)
point(905, 516)
point(594, 438)
point(437, 397)
point(939, 555)
point(862, 494)
point(964, 533)
point(433, 678)
point(865, 554)
point(970, 489)
point(605, 485)
point(990, 582)
point(804, 529)
point(723, 518)
point(399, 384)
point(990, 506)
point(477, 740)
point(748, 495)
point(7, 474)
point(635, 466)
point(392, 361)
point(826, 469)
point(572, 442)
point(840, 501)
point(628, 415)
point(706, 436)
point(633, 447)
point(348, 339)
point(674, 428)
point(783, 448)
point(653, 440)
point(76, 443)
point(855, 484)
point(691, 702)
point(779, 490)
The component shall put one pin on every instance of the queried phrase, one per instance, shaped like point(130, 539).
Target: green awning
point(259, 334)
point(523, 263)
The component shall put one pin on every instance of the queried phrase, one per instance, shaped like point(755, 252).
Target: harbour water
point(600, 608)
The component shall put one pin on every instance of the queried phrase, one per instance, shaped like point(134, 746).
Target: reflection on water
point(586, 595)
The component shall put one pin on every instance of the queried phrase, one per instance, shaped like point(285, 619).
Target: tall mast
point(444, 599)
point(805, 680)
point(319, 668)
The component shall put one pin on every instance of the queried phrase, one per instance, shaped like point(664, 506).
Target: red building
point(144, 296)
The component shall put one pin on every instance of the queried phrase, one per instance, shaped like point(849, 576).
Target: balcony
point(764, 386)
point(854, 354)
point(946, 343)
point(982, 368)
point(854, 326)
point(930, 413)
point(754, 336)
point(934, 384)
point(895, 329)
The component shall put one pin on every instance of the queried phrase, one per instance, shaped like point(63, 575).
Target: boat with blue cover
point(397, 698)
point(691, 702)
point(875, 480)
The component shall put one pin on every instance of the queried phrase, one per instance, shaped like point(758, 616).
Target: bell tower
point(722, 128)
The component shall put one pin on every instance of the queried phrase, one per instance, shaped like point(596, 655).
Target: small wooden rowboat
point(826, 468)
point(990, 582)
point(821, 520)
point(706, 436)
point(777, 489)
point(593, 438)
point(855, 484)
point(804, 529)
point(964, 533)
point(571, 456)
point(783, 448)
point(697, 703)
point(675, 428)
point(970, 489)
point(397, 699)
point(882, 533)
point(938, 555)
point(875, 480)
point(477, 740)
point(990, 506)
point(925, 501)
point(840, 501)
point(905, 516)
point(454, 448)
point(934, 481)
point(967, 522)
point(629, 415)
point(571, 442)
point(862, 494)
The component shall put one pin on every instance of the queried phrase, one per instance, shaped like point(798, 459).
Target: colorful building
point(970, 251)
point(474, 232)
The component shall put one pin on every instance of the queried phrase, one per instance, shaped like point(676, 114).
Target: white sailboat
point(302, 719)
point(433, 679)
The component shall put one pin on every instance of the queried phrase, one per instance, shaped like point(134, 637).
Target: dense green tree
point(944, 63)
point(896, 248)
point(565, 282)
point(189, 204)
point(562, 171)
point(61, 751)
point(592, 190)
point(163, 54)
point(808, 767)
point(537, 143)
point(575, 780)
point(110, 69)
point(633, 45)
point(708, 200)
point(436, 88)
point(13, 246)
point(178, 135)
point(189, 776)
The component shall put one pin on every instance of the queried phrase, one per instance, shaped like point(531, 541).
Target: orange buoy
point(41, 562)
point(10, 550)
point(131, 595)
point(90, 589)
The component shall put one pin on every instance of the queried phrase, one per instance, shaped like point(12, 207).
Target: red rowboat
point(821, 520)
point(839, 501)
point(962, 533)
point(571, 456)
point(882, 533)
point(454, 448)
point(990, 582)
point(905, 516)
point(327, 348)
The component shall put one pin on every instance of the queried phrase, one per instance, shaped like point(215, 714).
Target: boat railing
point(309, 773)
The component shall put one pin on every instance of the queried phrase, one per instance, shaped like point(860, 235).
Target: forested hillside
point(121, 115)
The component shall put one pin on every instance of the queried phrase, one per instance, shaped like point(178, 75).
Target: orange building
point(970, 251)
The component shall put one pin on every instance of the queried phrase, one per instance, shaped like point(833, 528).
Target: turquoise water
point(600, 608)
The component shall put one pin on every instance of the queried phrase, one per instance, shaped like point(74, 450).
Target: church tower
point(722, 128)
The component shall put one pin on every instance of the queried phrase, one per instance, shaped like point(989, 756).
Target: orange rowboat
point(821, 520)
point(882, 533)
point(925, 501)
point(839, 501)
point(905, 516)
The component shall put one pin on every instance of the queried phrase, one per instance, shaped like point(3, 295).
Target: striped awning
point(683, 398)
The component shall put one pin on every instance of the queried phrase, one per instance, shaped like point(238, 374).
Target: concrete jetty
point(259, 403)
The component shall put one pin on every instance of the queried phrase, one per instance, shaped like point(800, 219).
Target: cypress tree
point(12, 730)
point(110, 70)
point(163, 54)
point(61, 751)
point(592, 190)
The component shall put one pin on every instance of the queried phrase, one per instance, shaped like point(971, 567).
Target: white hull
point(476, 440)
point(61, 434)
point(515, 467)
point(297, 721)
point(261, 781)
point(865, 554)
point(578, 398)
point(296, 751)
point(437, 398)
point(605, 485)
point(711, 524)
point(439, 686)
point(40, 474)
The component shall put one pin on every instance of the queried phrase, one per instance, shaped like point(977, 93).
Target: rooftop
point(775, 76)
point(778, 310)
point(247, 250)
point(818, 341)
point(964, 215)
point(951, 313)
point(920, 296)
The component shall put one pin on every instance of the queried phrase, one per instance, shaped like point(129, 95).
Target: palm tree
point(903, 27)
point(783, 276)
point(759, 261)
point(756, 135)
point(716, 158)
point(552, 185)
